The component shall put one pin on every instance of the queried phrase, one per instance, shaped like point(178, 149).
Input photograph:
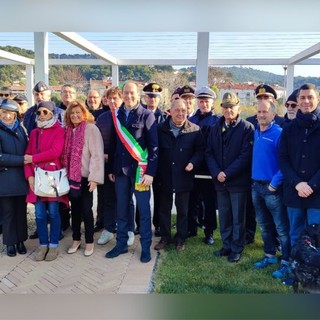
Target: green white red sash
point(134, 149)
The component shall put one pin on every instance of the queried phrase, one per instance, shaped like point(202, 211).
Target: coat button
point(303, 171)
point(303, 156)
point(173, 163)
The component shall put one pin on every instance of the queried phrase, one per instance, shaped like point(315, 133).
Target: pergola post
point(41, 57)
point(115, 75)
point(290, 80)
point(202, 59)
point(29, 83)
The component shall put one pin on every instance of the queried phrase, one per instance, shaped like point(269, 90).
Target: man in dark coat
point(181, 150)
point(136, 139)
point(228, 156)
point(299, 161)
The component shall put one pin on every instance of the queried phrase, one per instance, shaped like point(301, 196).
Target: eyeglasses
point(292, 105)
point(4, 95)
point(44, 112)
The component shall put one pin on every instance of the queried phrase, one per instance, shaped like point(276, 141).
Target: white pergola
point(180, 33)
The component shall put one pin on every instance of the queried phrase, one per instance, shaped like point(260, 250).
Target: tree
point(218, 75)
point(169, 81)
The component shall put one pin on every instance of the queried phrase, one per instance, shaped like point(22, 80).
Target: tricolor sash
point(134, 149)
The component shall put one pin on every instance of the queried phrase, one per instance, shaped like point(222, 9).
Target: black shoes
point(234, 257)
point(208, 240)
point(34, 235)
point(11, 251)
point(222, 252)
point(21, 248)
point(157, 232)
point(116, 251)
point(145, 256)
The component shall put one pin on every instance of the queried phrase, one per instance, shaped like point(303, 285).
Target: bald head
point(130, 95)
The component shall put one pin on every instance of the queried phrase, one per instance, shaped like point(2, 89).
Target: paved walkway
point(75, 273)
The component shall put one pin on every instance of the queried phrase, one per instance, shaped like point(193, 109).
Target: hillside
point(63, 74)
point(245, 74)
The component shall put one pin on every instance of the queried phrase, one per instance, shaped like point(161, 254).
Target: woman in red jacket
point(44, 150)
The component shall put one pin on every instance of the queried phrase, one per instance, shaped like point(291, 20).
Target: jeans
point(232, 219)
point(298, 218)
point(124, 189)
point(270, 212)
point(42, 209)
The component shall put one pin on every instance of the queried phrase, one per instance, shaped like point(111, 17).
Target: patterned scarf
point(72, 153)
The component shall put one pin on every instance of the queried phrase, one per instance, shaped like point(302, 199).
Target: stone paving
point(75, 273)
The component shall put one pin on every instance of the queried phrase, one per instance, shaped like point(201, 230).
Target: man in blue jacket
point(134, 166)
point(267, 190)
point(203, 191)
point(228, 156)
point(299, 161)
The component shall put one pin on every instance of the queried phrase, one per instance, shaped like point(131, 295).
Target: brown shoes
point(52, 254)
point(161, 244)
point(41, 253)
point(180, 246)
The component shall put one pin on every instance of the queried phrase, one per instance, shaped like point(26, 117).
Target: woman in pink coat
point(44, 150)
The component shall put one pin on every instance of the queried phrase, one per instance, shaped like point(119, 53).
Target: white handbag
point(51, 184)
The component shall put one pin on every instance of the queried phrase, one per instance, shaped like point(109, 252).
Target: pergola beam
point(15, 58)
point(87, 46)
point(305, 54)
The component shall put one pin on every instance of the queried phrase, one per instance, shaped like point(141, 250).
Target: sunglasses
point(4, 95)
point(263, 97)
point(292, 105)
point(44, 112)
point(152, 95)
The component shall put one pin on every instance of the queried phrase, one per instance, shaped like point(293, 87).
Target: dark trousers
point(64, 215)
point(232, 218)
point(81, 210)
point(204, 191)
point(124, 187)
point(14, 219)
point(182, 203)
point(155, 218)
point(109, 205)
point(251, 224)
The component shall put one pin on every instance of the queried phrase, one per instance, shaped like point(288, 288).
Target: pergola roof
point(180, 48)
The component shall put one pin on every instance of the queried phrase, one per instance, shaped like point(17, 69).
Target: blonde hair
point(87, 116)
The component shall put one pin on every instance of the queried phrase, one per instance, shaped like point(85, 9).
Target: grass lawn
point(197, 270)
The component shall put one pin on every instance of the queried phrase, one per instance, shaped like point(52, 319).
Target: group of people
point(264, 169)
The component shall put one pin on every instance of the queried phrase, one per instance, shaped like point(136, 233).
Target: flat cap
point(10, 105)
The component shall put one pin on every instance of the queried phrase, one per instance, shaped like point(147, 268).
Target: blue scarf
point(12, 127)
